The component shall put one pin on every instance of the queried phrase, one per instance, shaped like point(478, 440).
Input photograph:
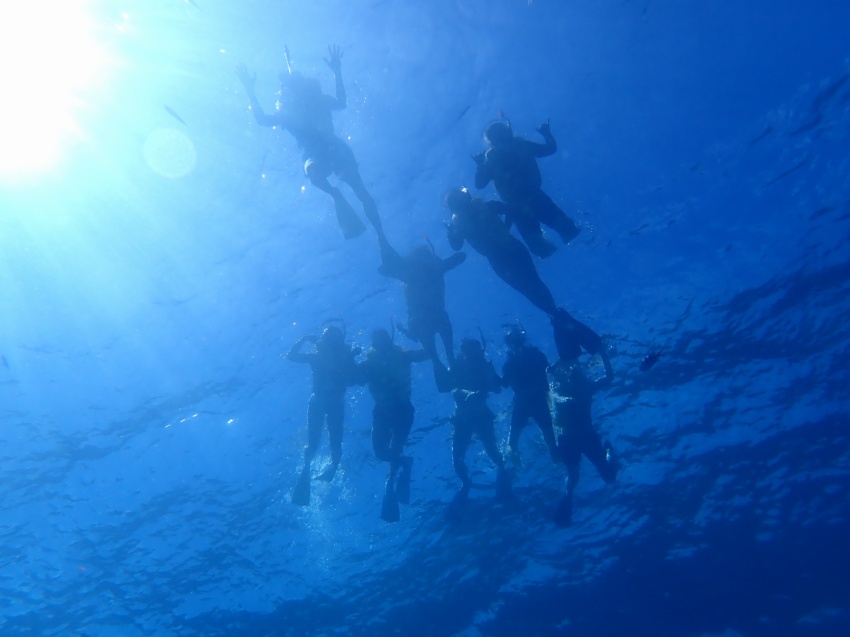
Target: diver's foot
point(564, 513)
point(328, 474)
point(348, 220)
point(542, 248)
point(568, 234)
point(301, 493)
point(389, 506)
point(402, 487)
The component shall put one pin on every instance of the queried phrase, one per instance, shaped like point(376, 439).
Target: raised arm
point(483, 174)
point(334, 62)
point(453, 261)
point(296, 355)
point(550, 147)
point(248, 79)
point(454, 235)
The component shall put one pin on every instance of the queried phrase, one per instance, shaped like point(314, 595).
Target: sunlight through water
point(50, 55)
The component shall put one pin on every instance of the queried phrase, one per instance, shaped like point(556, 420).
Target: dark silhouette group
point(510, 163)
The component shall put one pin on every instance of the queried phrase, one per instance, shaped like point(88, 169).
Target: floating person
point(386, 371)
point(334, 370)
point(573, 398)
point(480, 223)
point(306, 112)
point(470, 379)
point(423, 275)
point(511, 164)
point(525, 372)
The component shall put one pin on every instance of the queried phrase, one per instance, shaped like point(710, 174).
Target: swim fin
point(389, 507)
point(301, 493)
point(402, 486)
point(349, 222)
point(328, 474)
point(564, 513)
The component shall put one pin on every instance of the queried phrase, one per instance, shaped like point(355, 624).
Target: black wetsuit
point(470, 381)
point(423, 275)
point(387, 373)
point(512, 167)
point(525, 373)
point(480, 223)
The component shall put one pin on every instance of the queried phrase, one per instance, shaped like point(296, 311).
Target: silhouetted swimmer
point(480, 223)
point(386, 370)
point(511, 164)
point(423, 275)
point(525, 372)
point(334, 371)
point(306, 112)
point(470, 379)
point(573, 400)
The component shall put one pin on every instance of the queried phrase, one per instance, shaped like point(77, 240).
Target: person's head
point(471, 348)
point(498, 134)
point(458, 199)
point(296, 84)
point(331, 339)
point(381, 340)
point(515, 338)
point(421, 256)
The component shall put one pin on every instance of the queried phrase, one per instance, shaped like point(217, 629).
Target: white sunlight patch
point(48, 54)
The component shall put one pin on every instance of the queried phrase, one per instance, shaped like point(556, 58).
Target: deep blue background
point(151, 433)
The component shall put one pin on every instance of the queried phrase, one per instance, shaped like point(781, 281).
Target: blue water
point(152, 433)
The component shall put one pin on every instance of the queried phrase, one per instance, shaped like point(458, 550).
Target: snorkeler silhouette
point(511, 164)
point(423, 274)
point(573, 398)
point(386, 371)
point(334, 371)
point(479, 222)
point(306, 112)
point(470, 379)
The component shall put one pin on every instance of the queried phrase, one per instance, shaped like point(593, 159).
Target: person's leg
point(346, 169)
point(315, 416)
point(487, 433)
point(531, 232)
point(516, 268)
point(381, 434)
point(350, 224)
point(543, 417)
point(401, 430)
point(461, 435)
point(447, 336)
point(601, 456)
point(519, 417)
point(336, 415)
point(548, 212)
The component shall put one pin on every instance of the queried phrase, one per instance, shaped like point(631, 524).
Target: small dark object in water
point(650, 359)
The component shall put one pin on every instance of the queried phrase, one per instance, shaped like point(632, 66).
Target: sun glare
point(48, 55)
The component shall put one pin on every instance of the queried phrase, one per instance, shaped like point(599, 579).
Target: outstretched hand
point(246, 77)
point(543, 129)
point(335, 60)
point(479, 159)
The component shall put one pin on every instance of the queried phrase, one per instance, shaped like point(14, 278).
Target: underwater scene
point(443, 317)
